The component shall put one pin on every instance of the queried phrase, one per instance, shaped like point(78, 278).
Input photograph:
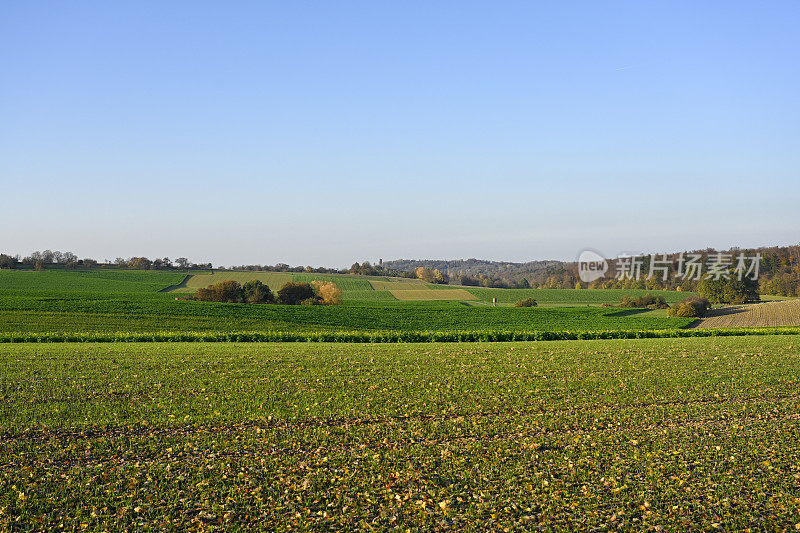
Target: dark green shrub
point(294, 293)
point(255, 292)
point(527, 302)
point(229, 291)
point(647, 301)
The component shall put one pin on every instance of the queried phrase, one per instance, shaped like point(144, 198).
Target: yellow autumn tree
point(430, 275)
point(425, 274)
point(330, 293)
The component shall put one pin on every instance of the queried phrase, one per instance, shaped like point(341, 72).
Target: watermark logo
point(591, 266)
point(685, 266)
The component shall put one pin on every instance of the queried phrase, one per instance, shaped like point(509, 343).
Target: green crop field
point(372, 288)
point(366, 295)
point(659, 434)
point(394, 433)
point(101, 281)
point(272, 279)
point(568, 297)
point(136, 315)
point(130, 301)
point(398, 284)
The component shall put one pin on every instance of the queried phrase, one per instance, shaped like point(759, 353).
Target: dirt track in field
point(782, 313)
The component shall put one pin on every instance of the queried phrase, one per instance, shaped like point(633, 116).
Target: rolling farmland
point(109, 282)
point(116, 304)
point(229, 432)
point(121, 302)
point(570, 297)
point(376, 288)
point(272, 279)
point(400, 267)
point(432, 295)
point(161, 315)
point(765, 314)
point(397, 284)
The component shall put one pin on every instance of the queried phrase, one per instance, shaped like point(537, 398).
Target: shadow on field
point(628, 312)
point(724, 311)
point(181, 285)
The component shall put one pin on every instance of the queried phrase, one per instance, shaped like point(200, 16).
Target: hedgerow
point(388, 336)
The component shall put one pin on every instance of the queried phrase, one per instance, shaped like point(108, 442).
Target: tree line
point(48, 258)
point(779, 272)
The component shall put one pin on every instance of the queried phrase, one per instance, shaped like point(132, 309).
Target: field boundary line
point(181, 285)
point(388, 336)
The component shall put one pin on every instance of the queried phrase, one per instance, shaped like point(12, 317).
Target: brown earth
point(781, 313)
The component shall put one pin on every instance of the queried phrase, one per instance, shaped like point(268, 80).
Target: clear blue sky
point(327, 132)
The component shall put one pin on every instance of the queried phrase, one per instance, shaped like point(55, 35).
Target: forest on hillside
point(778, 271)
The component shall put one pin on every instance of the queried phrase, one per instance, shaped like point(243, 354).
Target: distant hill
point(779, 271)
point(481, 267)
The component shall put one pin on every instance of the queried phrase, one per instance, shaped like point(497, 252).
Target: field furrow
point(764, 314)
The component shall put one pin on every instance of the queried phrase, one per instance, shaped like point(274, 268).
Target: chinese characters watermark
point(687, 266)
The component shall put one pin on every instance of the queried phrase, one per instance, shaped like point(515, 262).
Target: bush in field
point(294, 293)
point(255, 292)
point(695, 306)
point(330, 293)
point(729, 291)
point(205, 294)
point(647, 301)
point(527, 302)
point(229, 291)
